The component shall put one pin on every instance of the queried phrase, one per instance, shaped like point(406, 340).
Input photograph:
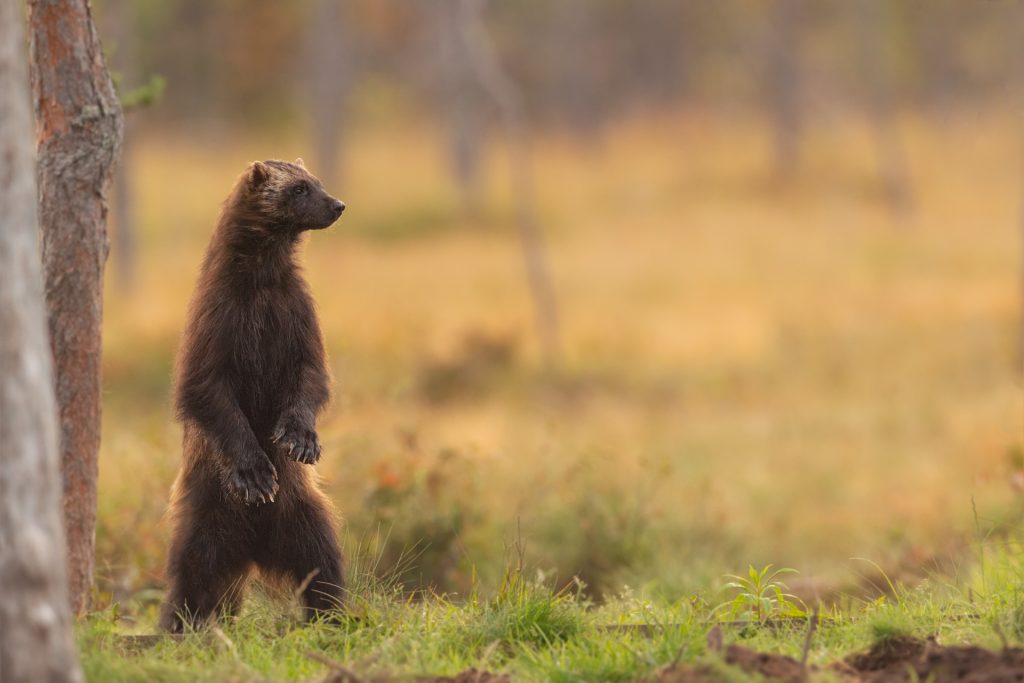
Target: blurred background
point(653, 290)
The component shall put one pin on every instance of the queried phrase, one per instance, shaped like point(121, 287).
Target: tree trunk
point(576, 66)
point(893, 167)
point(78, 135)
point(509, 102)
point(459, 101)
point(124, 216)
point(123, 30)
point(329, 81)
point(783, 83)
point(1016, 21)
point(35, 623)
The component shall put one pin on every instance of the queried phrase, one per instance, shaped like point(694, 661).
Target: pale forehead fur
point(283, 174)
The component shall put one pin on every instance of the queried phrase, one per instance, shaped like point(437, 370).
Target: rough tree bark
point(509, 102)
point(35, 622)
point(78, 137)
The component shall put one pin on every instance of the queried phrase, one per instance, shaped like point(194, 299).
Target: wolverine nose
point(338, 207)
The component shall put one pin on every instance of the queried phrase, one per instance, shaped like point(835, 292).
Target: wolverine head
point(290, 196)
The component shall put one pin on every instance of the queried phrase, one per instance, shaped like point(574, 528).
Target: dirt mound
point(686, 673)
point(906, 659)
point(771, 666)
point(896, 660)
point(889, 653)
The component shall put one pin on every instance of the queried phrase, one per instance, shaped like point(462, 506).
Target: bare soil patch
point(892, 661)
point(771, 666)
point(905, 659)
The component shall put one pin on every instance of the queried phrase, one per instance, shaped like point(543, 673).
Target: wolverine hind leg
point(302, 547)
point(208, 569)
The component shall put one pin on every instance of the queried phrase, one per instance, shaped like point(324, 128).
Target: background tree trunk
point(459, 101)
point(509, 103)
point(1018, 21)
point(575, 65)
point(783, 84)
point(78, 134)
point(35, 622)
point(124, 217)
point(125, 63)
point(893, 166)
point(327, 66)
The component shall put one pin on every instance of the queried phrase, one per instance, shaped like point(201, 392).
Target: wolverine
point(251, 378)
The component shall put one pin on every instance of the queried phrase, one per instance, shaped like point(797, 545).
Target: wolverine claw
point(254, 482)
point(297, 442)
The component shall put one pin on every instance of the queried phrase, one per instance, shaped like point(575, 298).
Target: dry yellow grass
point(753, 371)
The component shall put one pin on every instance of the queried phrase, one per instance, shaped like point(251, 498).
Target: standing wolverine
point(251, 378)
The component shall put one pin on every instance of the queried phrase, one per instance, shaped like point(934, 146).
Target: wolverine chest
point(274, 336)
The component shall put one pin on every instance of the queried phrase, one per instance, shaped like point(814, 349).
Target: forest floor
point(754, 372)
point(935, 631)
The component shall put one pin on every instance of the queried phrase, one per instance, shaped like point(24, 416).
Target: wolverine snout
point(338, 207)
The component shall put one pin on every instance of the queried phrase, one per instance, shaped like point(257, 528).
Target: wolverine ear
point(299, 163)
point(258, 173)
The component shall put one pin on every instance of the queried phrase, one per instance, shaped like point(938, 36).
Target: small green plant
point(760, 596)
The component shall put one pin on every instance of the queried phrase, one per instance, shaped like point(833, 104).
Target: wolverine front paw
point(297, 442)
point(254, 481)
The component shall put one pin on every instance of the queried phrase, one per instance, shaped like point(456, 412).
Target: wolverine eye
point(300, 189)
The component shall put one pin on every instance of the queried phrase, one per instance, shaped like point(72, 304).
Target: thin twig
point(811, 628)
point(343, 672)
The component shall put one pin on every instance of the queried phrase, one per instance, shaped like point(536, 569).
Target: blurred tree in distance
point(329, 67)
point(459, 98)
point(509, 101)
point(134, 95)
point(578, 65)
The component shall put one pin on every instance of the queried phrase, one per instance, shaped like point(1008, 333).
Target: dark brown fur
point(251, 379)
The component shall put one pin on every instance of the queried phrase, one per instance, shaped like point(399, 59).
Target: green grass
point(532, 632)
